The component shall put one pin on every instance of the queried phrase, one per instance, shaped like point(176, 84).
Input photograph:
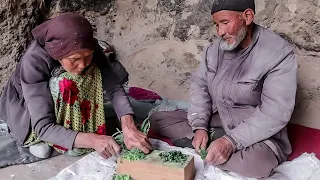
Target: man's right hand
point(200, 140)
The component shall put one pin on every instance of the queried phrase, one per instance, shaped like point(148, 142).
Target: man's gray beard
point(239, 38)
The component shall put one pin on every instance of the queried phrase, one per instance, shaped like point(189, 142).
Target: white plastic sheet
point(93, 167)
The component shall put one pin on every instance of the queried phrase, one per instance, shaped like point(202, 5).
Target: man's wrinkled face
point(231, 27)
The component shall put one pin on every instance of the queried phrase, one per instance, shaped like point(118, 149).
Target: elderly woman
point(55, 95)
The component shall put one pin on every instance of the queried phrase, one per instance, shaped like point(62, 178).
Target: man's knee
point(156, 119)
point(257, 161)
point(171, 124)
point(262, 167)
point(165, 118)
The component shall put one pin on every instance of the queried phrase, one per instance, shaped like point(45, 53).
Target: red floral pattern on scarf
point(69, 91)
point(85, 108)
point(102, 130)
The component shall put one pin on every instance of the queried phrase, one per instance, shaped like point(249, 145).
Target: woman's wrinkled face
point(77, 62)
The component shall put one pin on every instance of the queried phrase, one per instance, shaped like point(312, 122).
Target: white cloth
point(93, 167)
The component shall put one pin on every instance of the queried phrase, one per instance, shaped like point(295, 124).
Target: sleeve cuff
point(199, 127)
point(232, 141)
point(128, 113)
point(71, 139)
point(235, 141)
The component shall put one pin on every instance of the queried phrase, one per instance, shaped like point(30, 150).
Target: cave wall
point(17, 18)
point(160, 42)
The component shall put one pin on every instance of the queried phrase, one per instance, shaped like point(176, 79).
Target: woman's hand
point(133, 138)
point(106, 146)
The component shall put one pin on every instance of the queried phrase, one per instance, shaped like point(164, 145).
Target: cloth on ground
point(145, 102)
point(142, 94)
point(92, 166)
point(12, 153)
point(303, 140)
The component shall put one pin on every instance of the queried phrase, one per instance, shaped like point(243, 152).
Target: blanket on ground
point(92, 166)
point(12, 153)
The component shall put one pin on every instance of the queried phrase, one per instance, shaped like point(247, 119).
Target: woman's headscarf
point(65, 35)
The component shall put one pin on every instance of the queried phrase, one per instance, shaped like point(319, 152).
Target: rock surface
point(17, 18)
point(160, 42)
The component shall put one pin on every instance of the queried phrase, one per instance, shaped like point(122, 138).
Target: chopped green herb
point(203, 153)
point(173, 157)
point(133, 155)
point(121, 177)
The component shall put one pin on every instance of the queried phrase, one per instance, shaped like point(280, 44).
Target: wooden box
point(153, 168)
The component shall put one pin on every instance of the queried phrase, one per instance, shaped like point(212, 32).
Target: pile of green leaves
point(121, 177)
point(134, 154)
point(173, 157)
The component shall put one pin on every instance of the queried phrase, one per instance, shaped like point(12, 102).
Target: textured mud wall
point(17, 18)
point(298, 22)
point(160, 41)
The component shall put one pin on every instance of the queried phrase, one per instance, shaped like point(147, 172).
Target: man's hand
point(105, 146)
point(133, 138)
point(200, 140)
point(219, 151)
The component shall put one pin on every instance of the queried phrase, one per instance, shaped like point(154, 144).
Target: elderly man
point(244, 89)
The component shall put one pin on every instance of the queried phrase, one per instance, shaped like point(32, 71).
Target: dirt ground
point(39, 170)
